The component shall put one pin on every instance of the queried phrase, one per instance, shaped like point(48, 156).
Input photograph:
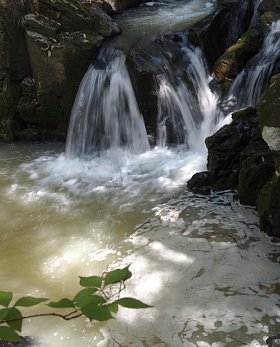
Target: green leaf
point(15, 318)
point(92, 281)
point(90, 299)
point(118, 275)
point(3, 313)
point(62, 303)
point(8, 334)
point(83, 293)
point(99, 313)
point(28, 301)
point(132, 303)
point(113, 307)
point(5, 298)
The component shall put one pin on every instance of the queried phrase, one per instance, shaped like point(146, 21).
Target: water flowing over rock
point(253, 80)
point(105, 114)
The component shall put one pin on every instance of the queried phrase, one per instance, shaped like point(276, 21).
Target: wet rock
point(237, 56)
point(14, 63)
point(221, 29)
point(256, 169)
point(57, 35)
point(225, 146)
point(269, 104)
point(268, 205)
point(269, 197)
point(200, 183)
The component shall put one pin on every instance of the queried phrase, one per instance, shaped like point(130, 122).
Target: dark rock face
point(268, 204)
point(57, 44)
point(237, 56)
point(256, 168)
point(200, 183)
point(225, 146)
point(14, 63)
point(219, 31)
point(269, 197)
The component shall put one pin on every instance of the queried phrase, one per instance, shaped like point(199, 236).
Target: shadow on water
point(209, 272)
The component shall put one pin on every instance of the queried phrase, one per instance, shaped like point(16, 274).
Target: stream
point(201, 261)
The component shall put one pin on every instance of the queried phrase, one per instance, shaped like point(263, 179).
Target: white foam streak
point(251, 82)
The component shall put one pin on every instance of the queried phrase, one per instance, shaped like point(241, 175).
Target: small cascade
point(252, 81)
point(187, 114)
point(105, 113)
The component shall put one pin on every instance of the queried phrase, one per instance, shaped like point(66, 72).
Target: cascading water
point(105, 114)
point(252, 81)
point(190, 111)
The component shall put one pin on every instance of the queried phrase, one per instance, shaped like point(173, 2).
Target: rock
point(225, 146)
point(121, 5)
point(14, 64)
point(200, 183)
point(268, 202)
point(63, 34)
point(221, 29)
point(256, 169)
point(143, 70)
point(57, 36)
point(268, 205)
point(269, 104)
point(237, 56)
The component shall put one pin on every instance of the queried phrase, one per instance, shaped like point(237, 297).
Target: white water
point(105, 114)
point(250, 83)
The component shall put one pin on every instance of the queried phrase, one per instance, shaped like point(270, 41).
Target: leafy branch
point(98, 301)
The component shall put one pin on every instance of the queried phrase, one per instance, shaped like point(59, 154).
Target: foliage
point(98, 300)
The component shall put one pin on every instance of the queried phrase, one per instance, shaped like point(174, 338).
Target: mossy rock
point(237, 56)
point(269, 105)
point(256, 169)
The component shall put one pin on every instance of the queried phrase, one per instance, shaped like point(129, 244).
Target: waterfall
point(252, 81)
point(188, 114)
point(105, 113)
point(255, 12)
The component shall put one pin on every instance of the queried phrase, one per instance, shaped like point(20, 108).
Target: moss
point(269, 105)
point(236, 56)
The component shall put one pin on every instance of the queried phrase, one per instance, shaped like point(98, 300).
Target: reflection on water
point(61, 218)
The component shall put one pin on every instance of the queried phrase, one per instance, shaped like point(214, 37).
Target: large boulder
point(225, 146)
point(268, 204)
point(269, 117)
point(256, 168)
point(61, 39)
point(14, 63)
